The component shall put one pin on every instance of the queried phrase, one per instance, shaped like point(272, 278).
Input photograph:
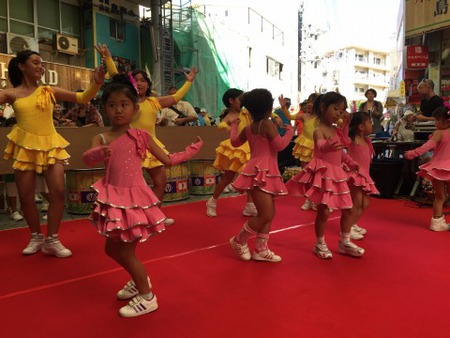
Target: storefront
point(427, 50)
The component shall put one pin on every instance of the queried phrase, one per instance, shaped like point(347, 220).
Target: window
point(359, 90)
point(377, 61)
point(21, 17)
point(116, 29)
point(249, 57)
point(273, 68)
point(359, 57)
point(47, 18)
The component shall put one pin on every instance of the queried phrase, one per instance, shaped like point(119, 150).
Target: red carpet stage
point(400, 288)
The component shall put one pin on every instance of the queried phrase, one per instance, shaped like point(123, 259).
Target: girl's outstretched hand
point(191, 75)
point(199, 140)
point(282, 101)
point(103, 50)
point(99, 75)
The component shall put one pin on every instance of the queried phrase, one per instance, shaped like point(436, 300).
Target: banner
point(416, 57)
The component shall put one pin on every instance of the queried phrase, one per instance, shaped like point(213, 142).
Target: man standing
point(430, 101)
point(180, 114)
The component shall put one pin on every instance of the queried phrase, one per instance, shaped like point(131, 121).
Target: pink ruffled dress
point(262, 170)
point(438, 168)
point(362, 154)
point(324, 180)
point(126, 209)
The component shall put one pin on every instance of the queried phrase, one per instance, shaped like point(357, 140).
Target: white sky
point(360, 22)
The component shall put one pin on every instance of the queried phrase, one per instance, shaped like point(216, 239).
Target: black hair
point(146, 78)
point(14, 73)
point(120, 83)
point(357, 119)
point(231, 93)
point(197, 110)
point(258, 102)
point(224, 113)
point(312, 97)
point(374, 92)
point(441, 113)
point(323, 101)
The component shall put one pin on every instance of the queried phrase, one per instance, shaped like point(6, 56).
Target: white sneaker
point(266, 256)
point(211, 205)
point(168, 222)
point(45, 217)
point(355, 235)
point(439, 224)
point(321, 250)
point(362, 231)
point(16, 216)
point(241, 250)
point(139, 306)
point(130, 290)
point(307, 205)
point(36, 243)
point(52, 246)
point(44, 207)
point(349, 248)
point(250, 210)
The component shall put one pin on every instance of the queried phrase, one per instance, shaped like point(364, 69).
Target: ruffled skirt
point(303, 149)
point(150, 161)
point(35, 152)
point(263, 179)
point(231, 158)
point(322, 183)
point(362, 180)
point(126, 214)
point(435, 170)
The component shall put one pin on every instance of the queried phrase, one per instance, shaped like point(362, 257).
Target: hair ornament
point(133, 82)
point(447, 105)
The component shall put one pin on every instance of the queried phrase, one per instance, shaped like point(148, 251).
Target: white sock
point(147, 296)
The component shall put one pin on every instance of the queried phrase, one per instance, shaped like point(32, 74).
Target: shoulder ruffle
point(45, 98)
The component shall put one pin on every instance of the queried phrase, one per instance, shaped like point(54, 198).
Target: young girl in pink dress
point(324, 180)
point(260, 176)
point(126, 209)
point(437, 170)
point(361, 185)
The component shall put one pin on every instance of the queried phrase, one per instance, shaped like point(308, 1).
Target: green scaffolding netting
point(198, 43)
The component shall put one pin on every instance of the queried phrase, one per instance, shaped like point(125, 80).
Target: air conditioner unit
point(66, 44)
point(17, 43)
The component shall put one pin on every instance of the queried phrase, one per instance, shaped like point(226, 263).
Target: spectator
point(180, 114)
point(374, 109)
point(84, 115)
point(430, 101)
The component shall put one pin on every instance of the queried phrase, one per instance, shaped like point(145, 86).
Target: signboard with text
point(416, 57)
point(423, 16)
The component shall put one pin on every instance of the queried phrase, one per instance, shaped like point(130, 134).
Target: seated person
point(404, 129)
point(84, 115)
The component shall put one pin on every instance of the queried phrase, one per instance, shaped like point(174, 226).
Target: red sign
point(416, 57)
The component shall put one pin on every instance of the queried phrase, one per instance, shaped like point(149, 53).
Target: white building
point(260, 47)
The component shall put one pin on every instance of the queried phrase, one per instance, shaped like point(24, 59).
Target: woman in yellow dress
point(304, 143)
point(149, 106)
point(231, 160)
point(35, 147)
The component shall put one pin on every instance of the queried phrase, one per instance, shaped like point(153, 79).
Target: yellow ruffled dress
point(33, 142)
point(234, 158)
point(304, 143)
point(146, 120)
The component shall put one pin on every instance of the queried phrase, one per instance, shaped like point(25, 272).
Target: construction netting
point(197, 42)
